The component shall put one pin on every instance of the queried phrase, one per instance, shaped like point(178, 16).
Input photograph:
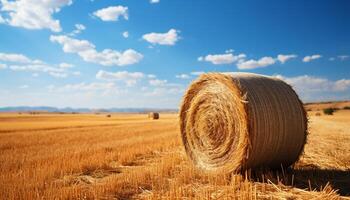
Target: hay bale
point(237, 121)
point(153, 115)
point(108, 116)
point(318, 114)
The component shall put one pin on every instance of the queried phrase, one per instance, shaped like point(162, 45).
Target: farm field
point(128, 156)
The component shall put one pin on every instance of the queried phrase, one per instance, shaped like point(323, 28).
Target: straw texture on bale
point(153, 115)
point(237, 121)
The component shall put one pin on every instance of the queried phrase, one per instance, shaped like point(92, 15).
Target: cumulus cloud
point(252, 64)
point(50, 70)
point(157, 82)
point(165, 90)
point(89, 86)
point(152, 76)
point(310, 58)
point(343, 57)
point(78, 29)
point(37, 68)
point(33, 14)
point(58, 74)
point(20, 62)
point(284, 58)
point(129, 78)
point(125, 34)
point(168, 38)
point(316, 87)
point(154, 1)
point(2, 20)
point(112, 13)
point(229, 51)
point(66, 65)
point(76, 73)
point(86, 50)
point(183, 76)
point(3, 66)
point(197, 73)
point(18, 58)
point(23, 86)
point(220, 59)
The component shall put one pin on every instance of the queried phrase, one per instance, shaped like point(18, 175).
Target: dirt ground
point(128, 156)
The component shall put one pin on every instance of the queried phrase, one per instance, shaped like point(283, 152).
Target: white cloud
point(87, 51)
point(52, 71)
point(228, 58)
point(165, 91)
point(311, 88)
point(343, 57)
point(169, 38)
point(94, 86)
point(197, 73)
point(58, 74)
point(3, 66)
point(157, 82)
point(284, 58)
point(18, 58)
point(125, 34)
point(341, 85)
point(23, 86)
point(152, 76)
point(33, 14)
point(220, 59)
point(76, 73)
point(310, 58)
point(154, 1)
point(331, 58)
point(183, 76)
point(20, 62)
point(229, 51)
point(112, 13)
point(66, 65)
point(2, 20)
point(130, 78)
point(252, 64)
point(78, 29)
point(307, 83)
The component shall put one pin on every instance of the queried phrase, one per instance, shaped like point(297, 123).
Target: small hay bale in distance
point(318, 114)
point(108, 115)
point(239, 121)
point(153, 115)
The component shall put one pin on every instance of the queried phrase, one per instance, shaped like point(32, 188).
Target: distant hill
point(308, 106)
point(81, 110)
point(323, 105)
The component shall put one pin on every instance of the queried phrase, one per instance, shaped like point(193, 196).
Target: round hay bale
point(318, 114)
point(238, 121)
point(153, 115)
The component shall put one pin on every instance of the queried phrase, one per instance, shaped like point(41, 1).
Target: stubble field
point(128, 156)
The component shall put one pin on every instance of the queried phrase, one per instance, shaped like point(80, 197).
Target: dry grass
point(130, 157)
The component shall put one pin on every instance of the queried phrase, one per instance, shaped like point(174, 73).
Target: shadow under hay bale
point(308, 178)
point(153, 115)
point(237, 121)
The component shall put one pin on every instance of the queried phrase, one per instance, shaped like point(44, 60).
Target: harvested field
point(86, 156)
point(324, 105)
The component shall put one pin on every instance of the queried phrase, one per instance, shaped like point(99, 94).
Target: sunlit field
point(128, 156)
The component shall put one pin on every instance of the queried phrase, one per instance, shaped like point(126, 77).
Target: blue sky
point(144, 53)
